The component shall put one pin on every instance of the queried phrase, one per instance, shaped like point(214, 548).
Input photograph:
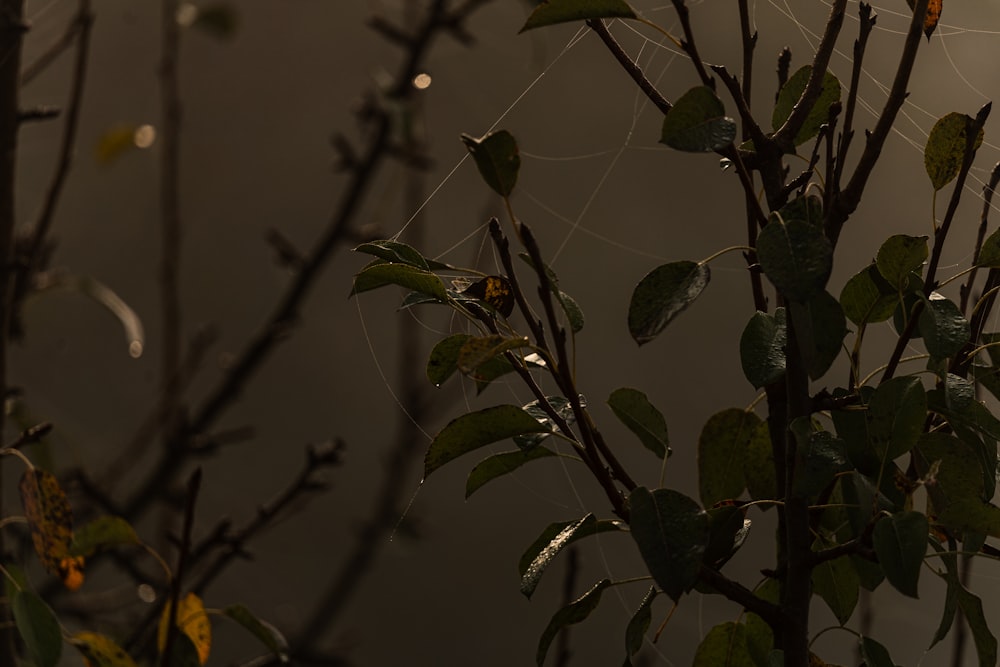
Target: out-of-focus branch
point(12, 28)
point(170, 221)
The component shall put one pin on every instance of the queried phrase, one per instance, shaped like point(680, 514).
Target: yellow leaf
point(192, 621)
point(100, 651)
point(51, 522)
point(932, 17)
point(114, 143)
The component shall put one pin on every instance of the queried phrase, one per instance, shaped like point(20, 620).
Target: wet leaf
point(380, 275)
point(900, 256)
point(554, 529)
point(531, 576)
point(562, 407)
point(38, 627)
point(762, 348)
point(51, 522)
point(100, 651)
point(697, 123)
point(900, 544)
point(550, 12)
point(265, 633)
point(443, 361)
point(796, 257)
point(821, 328)
point(868, 298)
point(722, 448)
point(945, 148)
point(638, 625)
point(896, 416)
point(944, 330)
point(192, 622)
point(497, 158)
point(789, 96)
point(661, 296)
point(671, 531)
point(478, 429)
point(633, 408)
point(501, 464)
point(575, 612)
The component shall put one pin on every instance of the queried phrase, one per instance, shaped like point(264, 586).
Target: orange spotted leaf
point(495, 291)
point(51, 522)
point(933, 15)
point(192, 621)
point(100, 651)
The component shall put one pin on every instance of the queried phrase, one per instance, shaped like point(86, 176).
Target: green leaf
point(900, 544)
point(900, 256)
point(697, 123)
point(553, 529)
point(478, 429)
point(220, 21)
point(443, 361)
point(945, 148)
point(638, 625)
point(972, 608)
point(498, 159)
point(102, 533)
point(762, 348)
point(671, 531)
point(836, 582)
point(821, 458)
point(728, 529)
point(501, 464)
point(661, 296)
point(265, 633)
point(807, 209)
point(896, 416)
point(642, 418)
point(394, 252)
point(758, 466)
point(575, 612)
point(574, 315)
point(531, 576)
point(989, 254)
point(789, 96)
point(375, 276)
point(38, 627)
point(760, 637)
point(867, 297)
point(796, 257)
point(874, 654)
point(722, 447)
point(725, 645)
point(563, 408)
point(550, 12)
point(820, 327)
point(944, 330)
point(478, 350)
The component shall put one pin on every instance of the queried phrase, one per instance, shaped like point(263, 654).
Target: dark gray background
point(258, 114)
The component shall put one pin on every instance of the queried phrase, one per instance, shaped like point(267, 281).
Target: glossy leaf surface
point(944, 330)
point(762, 348)
point(575, 612)
point(553, 529)
point(945, 148)
point(671, 531)
point(502, 464)
point(697, 123)
point(538, 565)
point(497, 157)
point(477, 429)
point(661, 296)
point(550, 12)
point(633, 408)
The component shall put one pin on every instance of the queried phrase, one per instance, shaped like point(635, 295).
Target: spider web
point(610, 203)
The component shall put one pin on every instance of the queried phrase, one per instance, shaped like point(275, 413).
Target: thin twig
point(193, 486)
point(630, 66)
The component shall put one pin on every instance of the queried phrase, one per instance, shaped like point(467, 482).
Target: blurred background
point(263, 100)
